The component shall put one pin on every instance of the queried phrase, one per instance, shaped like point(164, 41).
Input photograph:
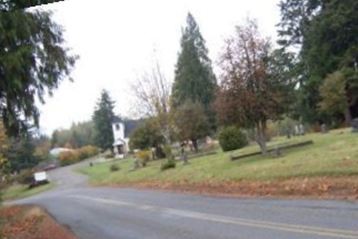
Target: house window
point(117, 126)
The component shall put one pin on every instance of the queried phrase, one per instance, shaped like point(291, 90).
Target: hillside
point(331, 160)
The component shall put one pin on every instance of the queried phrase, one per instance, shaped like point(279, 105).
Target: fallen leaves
point(316, 187)
point(29, 222)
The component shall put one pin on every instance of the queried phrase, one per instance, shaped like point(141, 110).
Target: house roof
point(130, 126)
point(117, 119)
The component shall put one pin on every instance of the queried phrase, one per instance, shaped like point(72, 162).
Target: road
point(119, 213)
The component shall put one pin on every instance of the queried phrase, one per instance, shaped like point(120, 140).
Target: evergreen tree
point(194, 77)
point(326, 34)
point(11, 5)
point(21, 153)
point(79, 135)
point(33, 61)
point(103, 117)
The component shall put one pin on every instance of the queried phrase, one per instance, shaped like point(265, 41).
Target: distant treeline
point(77, 136)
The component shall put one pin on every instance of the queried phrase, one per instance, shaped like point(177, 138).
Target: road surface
point(117, 213)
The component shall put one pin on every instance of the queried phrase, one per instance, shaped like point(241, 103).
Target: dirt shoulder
point(345, 188)
point(30, 222)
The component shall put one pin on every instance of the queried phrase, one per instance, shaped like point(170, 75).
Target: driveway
point(124, 213)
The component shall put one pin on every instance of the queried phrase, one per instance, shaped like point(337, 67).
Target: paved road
point(106, 213)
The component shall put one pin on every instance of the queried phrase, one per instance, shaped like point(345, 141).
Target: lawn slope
point(331, 160)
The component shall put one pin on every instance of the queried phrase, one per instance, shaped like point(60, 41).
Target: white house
point(121, 132)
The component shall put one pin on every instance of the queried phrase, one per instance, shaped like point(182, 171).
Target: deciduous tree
point(250, 93)
point(152, 91)
point(334, 96)
point(191, 122)
point(147, 136)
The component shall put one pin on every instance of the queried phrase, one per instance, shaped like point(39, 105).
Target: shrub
point(68, 157)
point(144, 156)
point(286, 126)
point(146, 135)
point(170, 163)
point(231, 138)
point(114, 167)
point(25, 177)
point(87, 151)
point(168, 152)
point(74, 156)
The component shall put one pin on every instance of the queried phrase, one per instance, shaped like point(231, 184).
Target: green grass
point(332, 154)
point(18, 191)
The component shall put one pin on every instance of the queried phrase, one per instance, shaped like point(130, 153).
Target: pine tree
point(103, 118)
point(33, 62)
point(194, 77)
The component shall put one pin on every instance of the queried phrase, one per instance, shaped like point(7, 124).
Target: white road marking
point(337, 233)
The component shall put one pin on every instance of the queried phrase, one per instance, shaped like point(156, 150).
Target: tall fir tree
point(103, 117)
point(33, 62)
point(194, 76)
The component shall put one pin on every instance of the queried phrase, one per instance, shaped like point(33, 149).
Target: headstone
point(301, 129)
point(354, 124)
point(297, 130)
point(276, 152)
point(324, 129)
point(183, 155)
point(136, 164)
point(288, 133)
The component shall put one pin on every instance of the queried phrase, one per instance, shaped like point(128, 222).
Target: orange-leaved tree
point(250, 92)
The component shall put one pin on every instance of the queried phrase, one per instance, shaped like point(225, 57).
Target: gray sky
point(118, 40)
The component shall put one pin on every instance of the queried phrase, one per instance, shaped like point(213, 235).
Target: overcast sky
point(117, 41)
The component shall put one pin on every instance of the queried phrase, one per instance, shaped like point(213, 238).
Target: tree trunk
point(195, 145)
point(348, 116)
point(261, 137)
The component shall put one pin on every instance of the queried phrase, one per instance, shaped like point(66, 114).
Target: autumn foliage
point(144, 156)
point(30, 222)
point(76, 155)
point(248, 95)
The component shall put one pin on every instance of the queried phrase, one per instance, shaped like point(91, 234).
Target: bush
point(25, 177)
point(114, 167)
point(170, 163)
point(231, 138)
point(74, 156)
point(144, 156)
point(68, 157)
point(146, 135)
point(87, 151)
point(286, 126)
point(168, 152)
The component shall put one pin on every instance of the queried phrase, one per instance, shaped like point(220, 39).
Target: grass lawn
point(332, 154)
point(18, 191)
